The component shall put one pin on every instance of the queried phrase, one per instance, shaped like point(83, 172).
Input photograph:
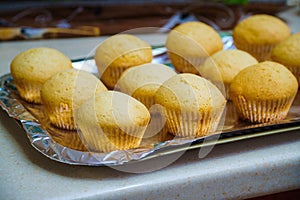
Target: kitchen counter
point(237, 170)
point(231, 171)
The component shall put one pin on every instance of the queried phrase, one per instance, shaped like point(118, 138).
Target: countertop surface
point(236, 170)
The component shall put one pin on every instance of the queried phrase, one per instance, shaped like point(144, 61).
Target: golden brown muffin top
point(288, 51)
point(189, 92)
point(224, 65)
point(261, 29)
point(144, 80)
point(264, 81)
point(194, 39)
point(39, 64)
point(72, 87)
point(122, 50)
point(113, 109)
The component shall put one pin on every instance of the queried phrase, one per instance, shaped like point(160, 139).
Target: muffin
point(190, 43)
point(288, 54)
point(112, 121)
point(66, 91)
point(191, 104)
point(263, 92)
point(224, 65)
point(142, 82)
point(31, 68)
point(259, 34)
point(118, 53)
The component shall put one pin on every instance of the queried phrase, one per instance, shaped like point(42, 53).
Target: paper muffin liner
point(111, 76)
point(109, 139)
point(30, 92)
point(227, 91)
point(260, 52)
point(262, 111)
point(231, 115)
point(69, 139)
point(296, 71)
point(192, 124)
point(61, 116)
point(186, 64)
point(156, 130)
point(148, 101)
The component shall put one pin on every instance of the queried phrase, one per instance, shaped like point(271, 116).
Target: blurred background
point(20, 20)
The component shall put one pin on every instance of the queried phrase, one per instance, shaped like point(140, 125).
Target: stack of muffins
point(134, 98)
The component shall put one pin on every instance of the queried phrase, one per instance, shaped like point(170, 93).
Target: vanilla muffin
point(142, 82)
point(31, 68)
point(259, 34)
point(118, 53)
point(224, 65)
point(263, 92)
point(66, 91)
point(190, 43)
point(191, 104)
point(112, 121)
point(288, 53)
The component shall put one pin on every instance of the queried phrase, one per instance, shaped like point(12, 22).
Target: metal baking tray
point(49, 140)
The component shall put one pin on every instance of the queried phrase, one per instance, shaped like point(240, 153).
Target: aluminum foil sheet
point(49, 140)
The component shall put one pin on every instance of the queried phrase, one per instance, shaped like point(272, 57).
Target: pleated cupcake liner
point(69, 139)
point(146, 100)
point(227, 91)
point(109, 139)
point(30, 92)
point(195, 124)
point(260, 52)
point(231, 111)
point(61, 116)
point(157, 129)
point(262, 111)
point(186, 64)
point(111, 76)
